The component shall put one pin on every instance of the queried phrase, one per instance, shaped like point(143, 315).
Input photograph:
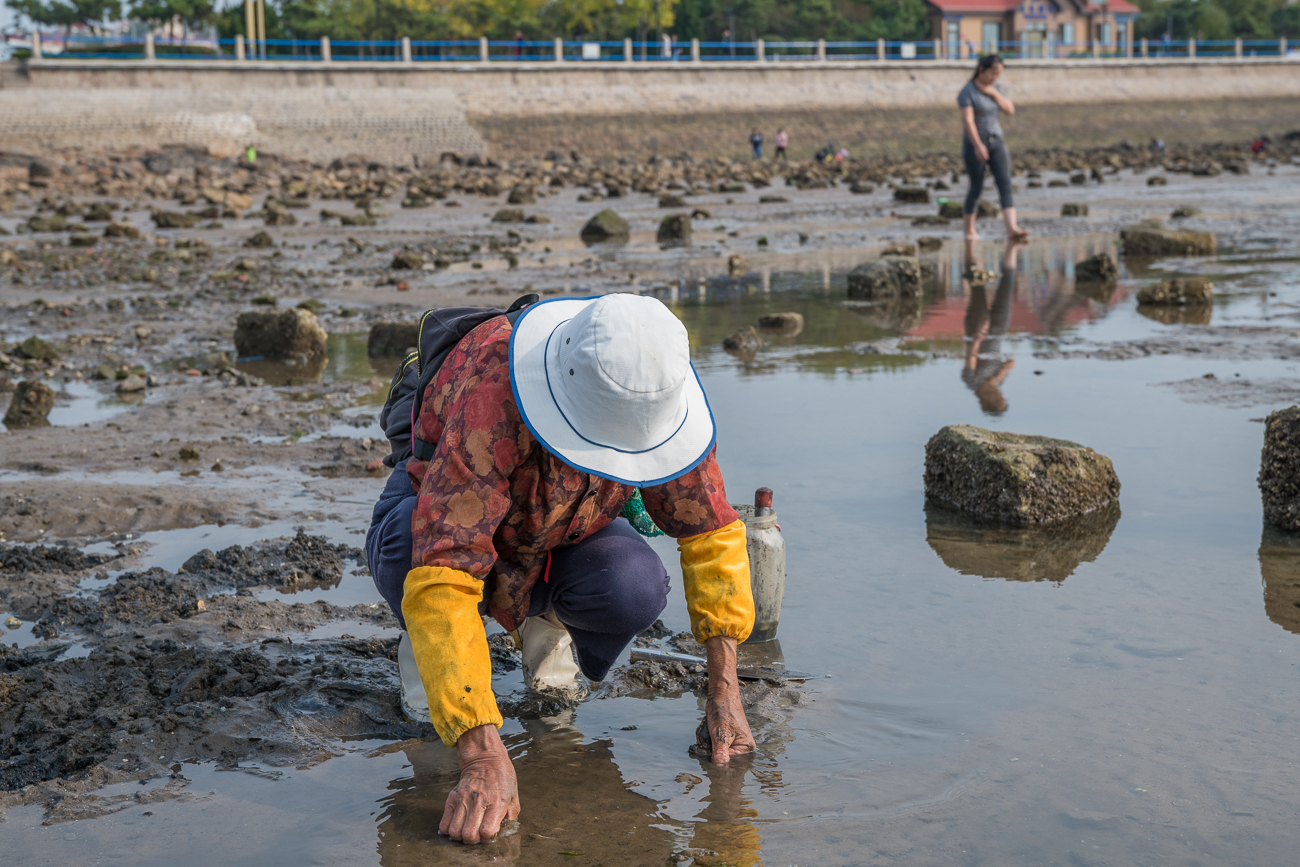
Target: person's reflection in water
point(726, 823)
point(984, 368)
point(578, 803)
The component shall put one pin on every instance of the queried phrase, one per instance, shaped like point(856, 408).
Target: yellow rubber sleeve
point(715, 571)
point(441, 610)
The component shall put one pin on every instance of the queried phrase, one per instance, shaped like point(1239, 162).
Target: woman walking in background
point(982, 144)
point(782, 142)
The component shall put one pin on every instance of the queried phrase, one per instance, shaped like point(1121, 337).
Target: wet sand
point(1120, 694)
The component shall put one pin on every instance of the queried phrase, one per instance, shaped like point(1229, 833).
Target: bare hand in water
point(487, 793)
point(724, 716)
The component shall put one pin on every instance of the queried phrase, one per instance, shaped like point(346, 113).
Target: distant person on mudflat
point(756, 142)
point(782, 142)
point(982, 144)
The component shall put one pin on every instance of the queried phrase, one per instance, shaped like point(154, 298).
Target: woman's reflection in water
point(985, 368)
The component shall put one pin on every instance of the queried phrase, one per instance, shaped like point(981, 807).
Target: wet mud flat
point(261, 674)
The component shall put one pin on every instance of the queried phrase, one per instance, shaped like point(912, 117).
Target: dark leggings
point(605, 590)
point(999, 161)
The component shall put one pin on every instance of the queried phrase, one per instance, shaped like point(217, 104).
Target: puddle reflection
point(346, 359)
point(1279, 567)
point(1051, 553)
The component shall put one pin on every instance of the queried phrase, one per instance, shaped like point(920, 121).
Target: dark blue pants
point(999, 162)
point(605, 590)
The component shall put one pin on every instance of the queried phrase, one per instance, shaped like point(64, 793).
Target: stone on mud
point(521, 194)
point(37, 349)
point(674, 229)
point(260, 240)
point(30, 406)
point(392, 339)
point(1279, 470)
point(743, 340)
point(1016, 478)
point(912, 195)
point(887, 277)
point(736, 266)
point(789, 323)
point(407, 260)
point(121, 230)
point(1074, 209)
point(929, 242)
point(132, 384)
point(1184, 212)
point(985, 209)
point(605, 226)
point(52, 223)
point(509, 215)
point(174, 220)
point(1177, 291)
point(279, 334)
point(1151, 238)
point(1098, 268)
point(1158, 181)
point(950, 210)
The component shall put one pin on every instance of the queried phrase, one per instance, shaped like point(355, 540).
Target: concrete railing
point(54, 47)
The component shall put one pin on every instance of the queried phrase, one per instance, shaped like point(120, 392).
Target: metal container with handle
point(766, 547)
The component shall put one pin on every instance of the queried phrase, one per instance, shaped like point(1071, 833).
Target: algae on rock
point(1016, 478)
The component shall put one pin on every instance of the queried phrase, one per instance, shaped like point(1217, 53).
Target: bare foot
point(1018, 234)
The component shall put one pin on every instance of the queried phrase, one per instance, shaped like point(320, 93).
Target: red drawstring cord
point(546, 575)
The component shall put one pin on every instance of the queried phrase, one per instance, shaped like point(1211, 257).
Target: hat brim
point(674, 457)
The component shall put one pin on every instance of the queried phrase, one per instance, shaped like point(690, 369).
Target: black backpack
point(440, 331)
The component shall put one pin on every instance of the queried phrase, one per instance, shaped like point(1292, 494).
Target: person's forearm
point(968, 124)
point(721, 654)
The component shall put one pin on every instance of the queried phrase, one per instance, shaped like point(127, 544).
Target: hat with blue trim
point(606, 384)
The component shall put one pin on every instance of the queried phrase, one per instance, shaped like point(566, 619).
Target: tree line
point(707, 20)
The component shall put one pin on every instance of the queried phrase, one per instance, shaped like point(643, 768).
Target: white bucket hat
point(606, 384)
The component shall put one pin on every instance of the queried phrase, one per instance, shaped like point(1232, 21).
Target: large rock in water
point(1279, 469)
point(1151, 238)
point(392, 338)
point(1098, 268)
point(279, 334)
point(31, 406)
point(605, 226)
point(674, 229)
point(887, 277)
point(1024, 553)
point(1016, 478)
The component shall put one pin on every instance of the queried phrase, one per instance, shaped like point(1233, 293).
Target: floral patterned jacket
point(493, 502)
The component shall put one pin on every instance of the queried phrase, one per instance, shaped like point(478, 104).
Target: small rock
point(701, 214)
point(537, 219)
point(888, 277)
point(37, 349)
point(121, 230)
point(218, 467)
point(30, 406)
point(407, 260)
point(1185, 211)
point(261, 240)
point(861, 188)
point(790, 323)
point(522, 194)
point(54, 223)
point(671, 200)
point(1157, 181)
point(1177, 290)
point(362, 219)
point(509, 215)
point(13, 623)
point(392, 339)
point(743, 340)
point(985, 209)
point(279, 334)
point(929, 242)
point(605, 226)
point(1074, 209)
point(173, 220)
point(132, 384)
point(1016, 478)
point(674, 229)
point(950, 211)
point(736, 266)
point(772, 200)
point(83, 241)
point(1098, 268)
point(189, 453)
point(899, 249)
point(912, 195)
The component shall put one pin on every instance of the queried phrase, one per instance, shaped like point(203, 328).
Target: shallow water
point(1126, 695)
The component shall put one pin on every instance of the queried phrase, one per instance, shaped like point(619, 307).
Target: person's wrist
point(479, 743)
point(720, 652)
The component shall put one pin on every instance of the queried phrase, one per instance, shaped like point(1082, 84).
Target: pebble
point(13, 622)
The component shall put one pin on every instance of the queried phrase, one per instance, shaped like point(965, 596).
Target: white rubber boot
point(549, 664)
point(415, 701)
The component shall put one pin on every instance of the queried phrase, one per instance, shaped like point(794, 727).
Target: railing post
point(938, 47)
point(1145, 47)
point(239, 47)
point(1093, 44)
point(559, 50)
point(325, 49)
point(695, 51)
point(148, 47)
point(1236, 47)
point(36, 46)
point(760, 50)
point(1191, 48)
point(406, 49)
point(1281, 47)
point(482, 49)
point(627, 50)
point(880, 49)
point(821, 50)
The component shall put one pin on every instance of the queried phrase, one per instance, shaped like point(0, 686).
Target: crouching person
point(534, 434)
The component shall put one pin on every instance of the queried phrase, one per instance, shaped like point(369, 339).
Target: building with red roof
point(1033, 28)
